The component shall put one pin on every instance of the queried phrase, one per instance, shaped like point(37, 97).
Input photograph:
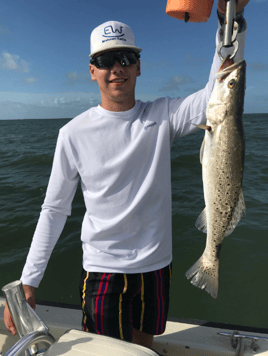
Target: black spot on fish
point(218, 248)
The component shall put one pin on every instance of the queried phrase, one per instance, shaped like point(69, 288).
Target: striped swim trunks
point(114, 303)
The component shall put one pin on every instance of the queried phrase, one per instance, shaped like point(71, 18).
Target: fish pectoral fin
point(201, 222)
point(238, 212)
point(204, 127)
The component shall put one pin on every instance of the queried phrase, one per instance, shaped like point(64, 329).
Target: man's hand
point(239, 7)
point(29, 295)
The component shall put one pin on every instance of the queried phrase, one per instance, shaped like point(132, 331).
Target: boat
point(57, 331)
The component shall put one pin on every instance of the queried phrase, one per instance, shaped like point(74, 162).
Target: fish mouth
point(223, 73)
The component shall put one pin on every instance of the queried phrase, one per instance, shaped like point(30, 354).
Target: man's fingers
point(12, 330)
point(29, 295)
point(9, 321)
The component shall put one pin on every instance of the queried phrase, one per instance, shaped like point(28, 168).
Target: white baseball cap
point(110, 35)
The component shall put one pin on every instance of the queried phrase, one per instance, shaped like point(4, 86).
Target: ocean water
point(26, 154)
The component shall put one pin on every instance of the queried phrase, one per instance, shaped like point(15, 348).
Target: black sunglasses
point(107, 60)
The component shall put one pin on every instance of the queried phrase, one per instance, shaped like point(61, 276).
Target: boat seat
point(77, 343)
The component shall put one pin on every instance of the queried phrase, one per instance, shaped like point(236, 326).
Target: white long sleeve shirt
point(123, 162)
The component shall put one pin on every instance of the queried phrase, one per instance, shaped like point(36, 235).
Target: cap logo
point(110, 32)
point(113, 33)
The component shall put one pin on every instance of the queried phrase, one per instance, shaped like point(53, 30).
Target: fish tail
point(205, 275)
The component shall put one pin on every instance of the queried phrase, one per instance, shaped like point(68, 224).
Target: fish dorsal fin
point(202, 151)
point(201, 222)
point(238, 212)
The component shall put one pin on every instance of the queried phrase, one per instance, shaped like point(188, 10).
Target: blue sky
point(44, 47)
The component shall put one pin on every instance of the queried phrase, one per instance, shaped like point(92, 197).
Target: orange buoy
point(190, 10)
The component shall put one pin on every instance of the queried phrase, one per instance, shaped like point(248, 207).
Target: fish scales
point(222, 157)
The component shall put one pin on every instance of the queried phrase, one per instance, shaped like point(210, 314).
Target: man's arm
point(57, 206)
point(186, 113)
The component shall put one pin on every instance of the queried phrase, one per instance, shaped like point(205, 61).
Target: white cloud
point(75, 77)
point(75, 99)
point(174, 83)
point(30, 80)
point(4, 31)
point(48, 99)
point(147, 81)
point(158, 63)
point(193, 61)
point(258, 66)
point(13, 62)
point(46, 105)
point(72, 76)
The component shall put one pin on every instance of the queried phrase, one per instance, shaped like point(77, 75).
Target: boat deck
point(179, 338)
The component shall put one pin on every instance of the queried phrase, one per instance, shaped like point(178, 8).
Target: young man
point(120, 151)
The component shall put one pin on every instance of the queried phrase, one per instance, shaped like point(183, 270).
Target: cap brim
point(134, 48)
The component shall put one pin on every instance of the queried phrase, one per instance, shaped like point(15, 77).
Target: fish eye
point(231, 84)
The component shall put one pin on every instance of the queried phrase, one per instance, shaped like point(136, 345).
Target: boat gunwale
point(196, 322)
point(182, 335)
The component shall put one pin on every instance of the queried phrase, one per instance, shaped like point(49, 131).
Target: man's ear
point(92, 72)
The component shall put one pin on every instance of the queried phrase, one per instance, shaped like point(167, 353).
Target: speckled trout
point(222, 158)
